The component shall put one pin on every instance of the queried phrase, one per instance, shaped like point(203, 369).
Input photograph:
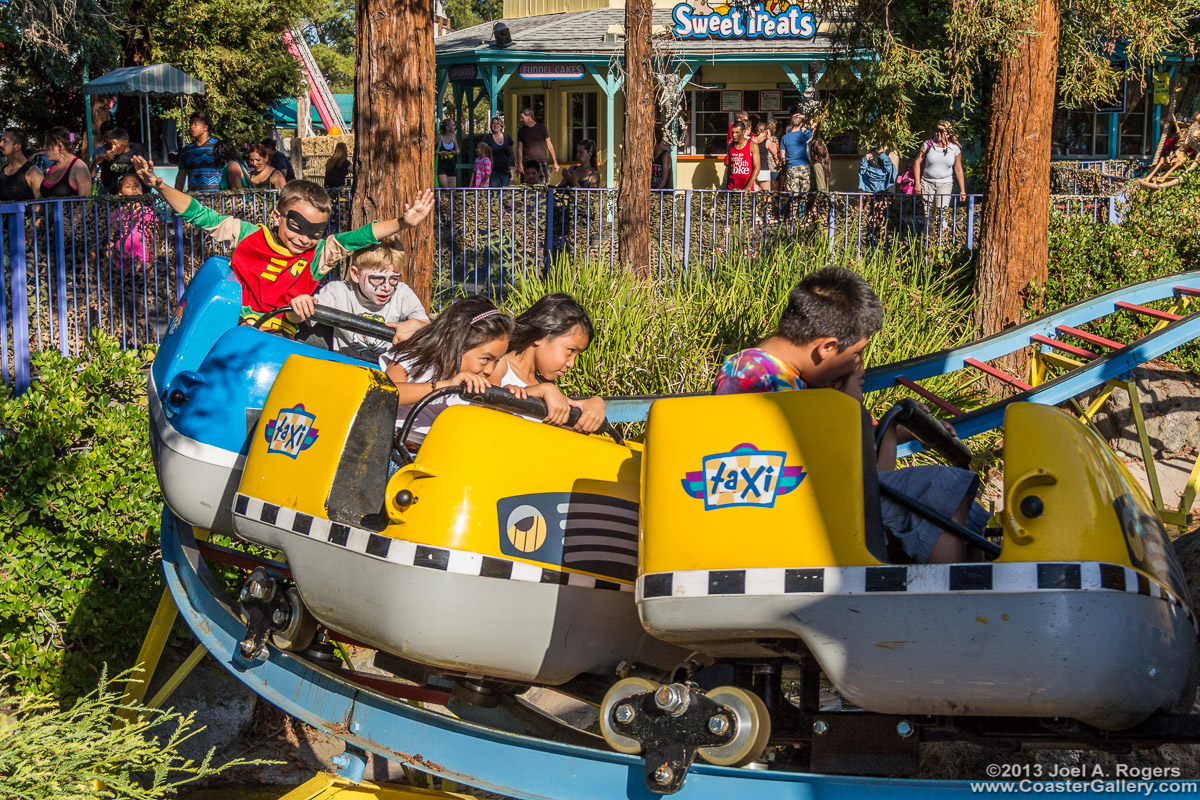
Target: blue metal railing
point(121, 264)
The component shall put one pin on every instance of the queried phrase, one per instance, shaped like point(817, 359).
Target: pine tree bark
point(637, 150)
point(394, 113)
point(1014, 245)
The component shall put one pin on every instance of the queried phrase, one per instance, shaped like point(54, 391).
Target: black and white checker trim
point(410, 554)
point(914, 578)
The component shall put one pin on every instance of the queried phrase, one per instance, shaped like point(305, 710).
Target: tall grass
point(670, 335)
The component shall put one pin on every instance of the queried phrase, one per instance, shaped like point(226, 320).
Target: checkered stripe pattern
point(410, 554)
point(914, 578)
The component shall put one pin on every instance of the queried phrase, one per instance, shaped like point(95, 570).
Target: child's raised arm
point(178, 200)
point(414, 213)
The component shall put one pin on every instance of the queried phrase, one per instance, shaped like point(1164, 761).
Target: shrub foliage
point(79, 506)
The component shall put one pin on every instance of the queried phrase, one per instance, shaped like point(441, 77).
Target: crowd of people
point(529, 160)
point(793, 159)
point(206, 164)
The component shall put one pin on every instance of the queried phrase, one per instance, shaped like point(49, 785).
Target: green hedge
point(1159, 235)
point(79, 504)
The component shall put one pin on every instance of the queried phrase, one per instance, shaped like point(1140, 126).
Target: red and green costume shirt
point(270, 274)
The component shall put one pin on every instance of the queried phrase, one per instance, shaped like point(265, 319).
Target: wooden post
point(394, 123)
point(637, 150)
point(297, 156)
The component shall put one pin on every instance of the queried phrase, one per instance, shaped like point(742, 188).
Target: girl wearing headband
point(546, 340)
point(460, 348)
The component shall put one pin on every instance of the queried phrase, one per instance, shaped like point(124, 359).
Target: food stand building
point(560, 58)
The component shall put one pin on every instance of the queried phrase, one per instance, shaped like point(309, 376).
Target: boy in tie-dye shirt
point(819, 342)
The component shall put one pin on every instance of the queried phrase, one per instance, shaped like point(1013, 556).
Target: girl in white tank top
point(546, 340)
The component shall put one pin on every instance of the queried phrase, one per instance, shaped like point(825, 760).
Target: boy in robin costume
point(283, 263)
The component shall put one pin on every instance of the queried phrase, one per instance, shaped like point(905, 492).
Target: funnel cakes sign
point(774, 20)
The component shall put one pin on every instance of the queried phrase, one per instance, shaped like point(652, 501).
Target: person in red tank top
point(743, 159)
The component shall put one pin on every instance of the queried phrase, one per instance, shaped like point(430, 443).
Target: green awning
point(150, 79)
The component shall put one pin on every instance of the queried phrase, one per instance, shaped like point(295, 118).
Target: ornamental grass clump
point(89, 751)
point(669, 335)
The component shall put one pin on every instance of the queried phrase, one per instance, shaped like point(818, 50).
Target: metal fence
point(121, 264)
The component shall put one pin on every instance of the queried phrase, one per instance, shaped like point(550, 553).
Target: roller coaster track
point(537, 768)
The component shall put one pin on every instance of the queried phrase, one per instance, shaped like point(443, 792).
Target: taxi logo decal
point(176, 318)
point(291, 431)
point(745, 476)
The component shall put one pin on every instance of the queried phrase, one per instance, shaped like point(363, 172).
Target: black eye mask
point(297, 223)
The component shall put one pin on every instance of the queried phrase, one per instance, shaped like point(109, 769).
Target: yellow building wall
point(532, 8)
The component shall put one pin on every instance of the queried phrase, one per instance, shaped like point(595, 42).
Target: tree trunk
point(1014, 245)
point(393, 124)
point(637, 150)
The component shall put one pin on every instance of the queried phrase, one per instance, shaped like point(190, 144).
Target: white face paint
point(376, 285)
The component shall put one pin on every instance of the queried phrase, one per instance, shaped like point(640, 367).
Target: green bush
point(79, 504)
point(671, 335)
point(1159, 235)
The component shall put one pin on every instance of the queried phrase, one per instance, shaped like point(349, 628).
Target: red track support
point(997, 373)
point(1090, 338)
point(238, 558)
point(944, 405)
point(1063, 346)
point(1187, 290)
point(1154, 313)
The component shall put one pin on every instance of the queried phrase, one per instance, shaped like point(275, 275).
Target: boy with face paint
point(282, 264)
point(373, 290)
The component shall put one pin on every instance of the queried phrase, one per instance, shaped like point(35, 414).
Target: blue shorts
point(940, 488)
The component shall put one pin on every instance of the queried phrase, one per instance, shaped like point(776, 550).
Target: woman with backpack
point(937, 166)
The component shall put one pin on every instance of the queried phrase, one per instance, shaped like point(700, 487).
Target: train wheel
point(753, 728)
point(301, 626)
point(620, 690)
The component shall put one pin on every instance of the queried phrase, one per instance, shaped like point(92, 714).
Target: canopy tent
point(147, 80)
point(152, 79)
point(283, 112)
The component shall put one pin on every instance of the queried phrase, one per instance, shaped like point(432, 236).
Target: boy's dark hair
point(117, 135)
point(201, 116)
point(307, 191)
point(554, 315)
point(831, 302)
point(268, 143)
point(439, 346)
